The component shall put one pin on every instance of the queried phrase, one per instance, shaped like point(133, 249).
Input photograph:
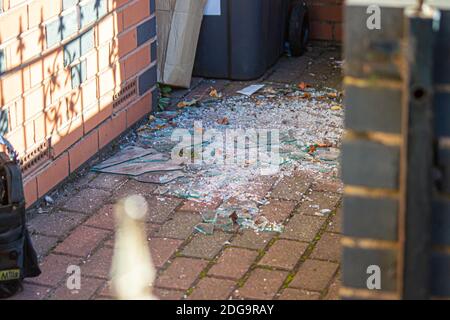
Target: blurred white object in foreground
point(132, 270)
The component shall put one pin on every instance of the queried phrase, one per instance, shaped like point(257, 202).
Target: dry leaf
point(214, 94)
point(223, 121)
point(303, 85)
point(336, 108)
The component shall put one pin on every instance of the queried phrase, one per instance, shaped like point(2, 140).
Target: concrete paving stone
point(179, 226)
point(160, 208)
point(82, 241)
point(233, 263)
point(133, 187)
point(212, 289)
point(291, 187)
point(315, 201)
point(43, 244)
point(87, 200)
point(206, 246)
point(56, 224)
point(284, 254)
point(262, 284)
point(297, 294)
point(54, 269)
point(277, 210)
point(252, 240)
point(88, 288)
point(108, 181)
point(328, 248)
point(181, 273)
point(314, 275)
point(302, 228)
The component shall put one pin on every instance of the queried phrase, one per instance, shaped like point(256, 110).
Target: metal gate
point(396, 151)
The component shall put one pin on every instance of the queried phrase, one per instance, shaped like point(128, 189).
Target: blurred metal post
point(420, 34)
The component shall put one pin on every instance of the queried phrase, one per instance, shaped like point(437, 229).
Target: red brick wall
point(326, 19)
point(40, 93)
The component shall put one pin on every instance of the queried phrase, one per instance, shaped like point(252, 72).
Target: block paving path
point(302, 262)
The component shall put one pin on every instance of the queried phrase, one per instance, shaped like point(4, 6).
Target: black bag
point(18, 259)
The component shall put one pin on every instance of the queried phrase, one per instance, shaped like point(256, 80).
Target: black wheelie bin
point(241, 39)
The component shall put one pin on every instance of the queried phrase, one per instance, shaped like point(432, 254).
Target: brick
point(30, 191)
point(180, 226)
point(212, 289)
point(107, 181)
point(161, 208)
point(291, 188)
point(38, 12)
point(373, 109)
point(440, 222)
point(32, 292)
point(321, 31)
point(181, 274)
point(87, 200)
point(83, 150)
point(315, 201)
point(252, 240)
point(296, 294)
point(88, 288)
point(135, 13)
point(54, 270)
point(82, 241)
point(303, 228)
point(380, 170)
point(61, 28)
point(262, 284)
point(233, 263)
point(112, 128)
point(139, 109)
point(99, 264)
point(201, 206)
point(277, 210)
point(165, 294)
point(314, 275)
point(355, 262)
point(328, 248)
point(133, 187)
point(16, 20)
point(147, 80)
point(57, 171)
point(56, 224)
point(126, 42)
point(326, 13)
point(146, 31)
point(283, 254)
point(103, 218)
point(92, 11)
point(206, 246)
point(153, 51)
point(371, 218)
point(162, 249)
